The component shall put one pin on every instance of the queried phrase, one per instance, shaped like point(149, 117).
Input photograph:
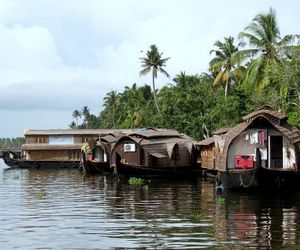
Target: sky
point(57, 56)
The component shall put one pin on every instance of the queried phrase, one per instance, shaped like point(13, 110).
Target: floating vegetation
point(41, 196)
point(136, 181)
point(220, 200)
point(197, 217)
point(17, 177)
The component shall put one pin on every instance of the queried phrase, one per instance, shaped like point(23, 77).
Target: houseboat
point(95, 154)
point(263, 150)
point(53, 148)
point(155, 152)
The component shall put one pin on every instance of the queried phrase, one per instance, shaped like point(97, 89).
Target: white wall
point(61, 139)
point(240, 146)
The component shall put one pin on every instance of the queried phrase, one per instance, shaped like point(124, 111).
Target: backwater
point(64, 209)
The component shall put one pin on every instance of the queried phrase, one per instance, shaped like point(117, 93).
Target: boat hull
point(96, 167)
point(19, 163)
point(278, 178)
point(238, 178)
point(158, 171)
point(261, 178)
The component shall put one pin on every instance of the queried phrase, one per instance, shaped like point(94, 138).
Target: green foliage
point(136, 181)
point(197, 217)
point(266, 74)
point(41, 196)
point(11, 143)
point(155, 63)
point(220, 200)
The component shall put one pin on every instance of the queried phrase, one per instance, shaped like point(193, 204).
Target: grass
point(136, 181)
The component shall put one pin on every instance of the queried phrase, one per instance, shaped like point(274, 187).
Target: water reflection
point(64, 209)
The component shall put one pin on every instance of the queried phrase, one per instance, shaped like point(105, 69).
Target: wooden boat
point(16, 161)
point(95, 155)
point(262, 151)
point(155, 153)
point(54, 148)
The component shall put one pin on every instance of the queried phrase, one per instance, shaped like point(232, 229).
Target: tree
point(155, 63)
point(264, 36)
point(225, 61)
point(76, 115)
point(111, 102)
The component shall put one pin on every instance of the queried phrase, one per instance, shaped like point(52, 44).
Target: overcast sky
point(60, 55)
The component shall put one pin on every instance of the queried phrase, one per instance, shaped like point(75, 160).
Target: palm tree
point(154, 62)
point(76, 114)
point(225, 62)
point(264, 36)
point(111, 102)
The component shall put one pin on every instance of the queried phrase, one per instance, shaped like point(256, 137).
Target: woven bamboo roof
point(265, 111)
point(221, 131)
point(206, 141)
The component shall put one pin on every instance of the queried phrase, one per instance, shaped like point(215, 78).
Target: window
point(85, 139)
point(40, 140)
point(74, 155)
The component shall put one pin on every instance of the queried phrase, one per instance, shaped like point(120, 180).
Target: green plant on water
point(197, 217)
point(17, 177)
point(146, 187)
point(136, 181)
point(220, 200)
point(40, 196)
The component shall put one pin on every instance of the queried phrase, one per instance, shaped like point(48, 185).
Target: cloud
point(63, 55)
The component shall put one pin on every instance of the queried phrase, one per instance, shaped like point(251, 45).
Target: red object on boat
point(90, 157)
point(244, 161)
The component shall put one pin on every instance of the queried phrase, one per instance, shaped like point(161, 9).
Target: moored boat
point(155, 153)
point(262, 151)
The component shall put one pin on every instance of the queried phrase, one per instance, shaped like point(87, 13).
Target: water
point(62, 209)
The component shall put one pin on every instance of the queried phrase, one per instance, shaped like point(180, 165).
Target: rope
point(242, 182)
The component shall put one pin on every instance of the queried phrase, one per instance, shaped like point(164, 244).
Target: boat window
point(85, 139)
point(74, 155)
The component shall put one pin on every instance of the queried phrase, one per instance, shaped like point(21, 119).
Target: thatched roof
point(206, 141)
point(221, 131)
point(158, 133)
point(268, 113)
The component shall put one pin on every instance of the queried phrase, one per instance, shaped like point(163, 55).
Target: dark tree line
point(10, 143)
point(263, 68)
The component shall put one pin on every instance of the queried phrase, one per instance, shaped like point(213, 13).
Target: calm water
point(62, 209)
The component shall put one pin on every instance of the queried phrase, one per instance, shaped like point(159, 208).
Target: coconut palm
point(155, 63)
point(225, 62)
point(111, 102)
point(264, 36)
point(76, 115)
